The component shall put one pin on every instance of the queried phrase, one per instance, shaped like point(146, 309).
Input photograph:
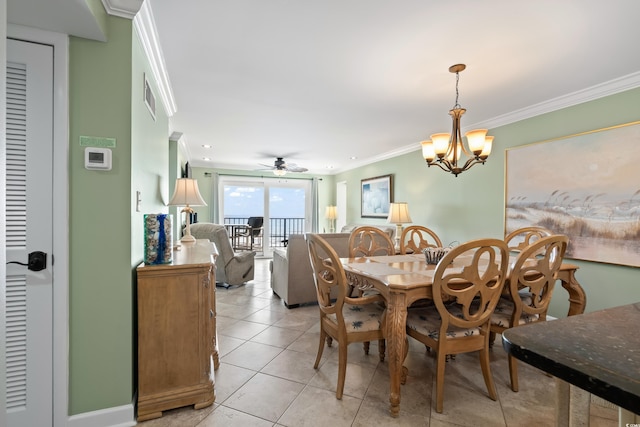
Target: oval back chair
point(415, 238)
point(530, 288)
point(519, 239)
point(370, 241)
point(467, 285)
point(345, 320)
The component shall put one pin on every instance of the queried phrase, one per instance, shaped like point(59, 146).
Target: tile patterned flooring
point(266, 377)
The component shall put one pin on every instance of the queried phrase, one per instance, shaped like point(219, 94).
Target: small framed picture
point(149, 98)
point(376, 196)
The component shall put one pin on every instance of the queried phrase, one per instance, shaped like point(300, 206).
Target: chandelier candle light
point(445, 150)
point(331, 213)
point(187, 194)
point(398, 215)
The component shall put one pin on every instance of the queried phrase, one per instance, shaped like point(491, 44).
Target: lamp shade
point(331, 212)
point(399, 213)
point(186, 193)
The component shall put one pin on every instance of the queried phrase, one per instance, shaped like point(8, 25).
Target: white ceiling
point(320, 81)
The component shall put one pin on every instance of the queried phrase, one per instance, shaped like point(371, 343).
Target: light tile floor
point(266, 377)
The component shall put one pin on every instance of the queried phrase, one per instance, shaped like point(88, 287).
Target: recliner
point(231, 268)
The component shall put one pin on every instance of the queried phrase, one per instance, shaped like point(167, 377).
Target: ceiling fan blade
point(295, 168)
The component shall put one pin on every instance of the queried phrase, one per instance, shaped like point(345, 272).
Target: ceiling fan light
point(279, 172)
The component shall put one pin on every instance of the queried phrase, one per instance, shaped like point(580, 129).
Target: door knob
point(37, 261)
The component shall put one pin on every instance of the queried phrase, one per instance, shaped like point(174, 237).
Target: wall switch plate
point(138, 201)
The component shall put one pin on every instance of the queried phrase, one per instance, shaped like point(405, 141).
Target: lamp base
point(398, 235)
point(188, 238)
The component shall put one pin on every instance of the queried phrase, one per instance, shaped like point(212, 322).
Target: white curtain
point(215, 202)
point(315, 209)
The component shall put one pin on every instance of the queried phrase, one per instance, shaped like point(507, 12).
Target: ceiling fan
point(280, 167)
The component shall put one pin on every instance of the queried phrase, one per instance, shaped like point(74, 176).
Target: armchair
point(231, 268)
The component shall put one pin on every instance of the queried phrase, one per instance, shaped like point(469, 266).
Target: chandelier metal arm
point(448, 166)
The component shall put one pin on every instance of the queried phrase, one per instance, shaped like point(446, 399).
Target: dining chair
point(415, 238)
point(529, 290)
point(519, 239)
point(367, 241)
point(467, 284)
point(370, 241)
point(345, 320)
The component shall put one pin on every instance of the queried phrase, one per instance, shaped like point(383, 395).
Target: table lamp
point(331, 214)
point(398, 215)
point(187, 194)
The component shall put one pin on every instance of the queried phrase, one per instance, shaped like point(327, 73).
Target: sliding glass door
point(285, 205)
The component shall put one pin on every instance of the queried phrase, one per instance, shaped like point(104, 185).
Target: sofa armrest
point(280, 273)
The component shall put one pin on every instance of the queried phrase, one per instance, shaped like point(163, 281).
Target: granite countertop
point(598, 352)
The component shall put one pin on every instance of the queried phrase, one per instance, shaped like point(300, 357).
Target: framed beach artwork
point(586, 186)
point(376, 196)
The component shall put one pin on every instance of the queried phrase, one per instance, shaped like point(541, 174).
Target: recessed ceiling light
point(206, 146)
point(330, 166)
point(206, 159)
point(353, 157)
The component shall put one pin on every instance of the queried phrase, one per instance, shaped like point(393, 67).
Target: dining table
point(405, 279)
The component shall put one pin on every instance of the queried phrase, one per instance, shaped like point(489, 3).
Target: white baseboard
point(120, 416)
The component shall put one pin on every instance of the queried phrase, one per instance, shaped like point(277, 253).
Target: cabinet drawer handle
point(210, 314)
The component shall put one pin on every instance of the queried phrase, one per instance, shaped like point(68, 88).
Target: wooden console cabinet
point(177, 347)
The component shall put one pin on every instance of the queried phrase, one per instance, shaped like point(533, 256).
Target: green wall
point(105, 100)
point(472, 205)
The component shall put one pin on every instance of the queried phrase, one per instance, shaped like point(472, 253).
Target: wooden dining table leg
point(396, 342)
point(577, 296)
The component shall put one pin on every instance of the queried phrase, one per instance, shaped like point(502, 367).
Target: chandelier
point(445, 150)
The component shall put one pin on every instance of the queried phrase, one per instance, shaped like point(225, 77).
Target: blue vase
point(158, 239)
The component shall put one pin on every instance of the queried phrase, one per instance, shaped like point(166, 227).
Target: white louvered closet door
point(29, 324)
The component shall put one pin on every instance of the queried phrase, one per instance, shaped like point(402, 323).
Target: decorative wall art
point(376, 196)
point(586, 186)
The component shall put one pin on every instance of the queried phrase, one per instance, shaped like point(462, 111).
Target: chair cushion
point(426, 321)
point(502, 314)
point(360, 318)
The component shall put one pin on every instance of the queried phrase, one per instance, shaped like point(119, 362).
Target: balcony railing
point(279, 229)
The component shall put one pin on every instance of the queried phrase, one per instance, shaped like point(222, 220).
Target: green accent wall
point(471, 206)
point(106, 100)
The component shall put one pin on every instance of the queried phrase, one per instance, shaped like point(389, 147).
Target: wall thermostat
point(97, 158)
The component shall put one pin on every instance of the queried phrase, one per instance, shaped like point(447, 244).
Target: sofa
point(231, 268)
point(291, 274)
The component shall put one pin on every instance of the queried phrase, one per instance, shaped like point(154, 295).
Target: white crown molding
point(122, 8)
point(384, 156)
point(183, 147)
point(145, 27)
point(621, 84)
